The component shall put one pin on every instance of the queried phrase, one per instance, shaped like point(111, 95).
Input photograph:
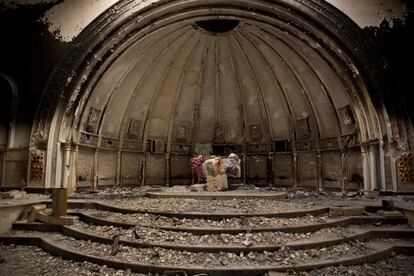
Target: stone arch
point(11, 128)
point(345, 48)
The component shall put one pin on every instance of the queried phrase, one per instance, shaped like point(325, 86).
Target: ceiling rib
point(130, 69)
point(141, 79)
point(171, 119)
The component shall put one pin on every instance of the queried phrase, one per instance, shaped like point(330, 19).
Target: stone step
point(150, 260)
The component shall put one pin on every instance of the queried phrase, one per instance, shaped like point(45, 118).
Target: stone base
point(48, 219)
point(34, 210)
point(347, 211)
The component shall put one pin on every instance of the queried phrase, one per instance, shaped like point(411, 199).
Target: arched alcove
point(9, 101)
point(290, 86)
point(13, 161)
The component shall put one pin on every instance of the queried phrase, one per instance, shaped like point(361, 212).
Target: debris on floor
point(16, 194)
point(198, 187)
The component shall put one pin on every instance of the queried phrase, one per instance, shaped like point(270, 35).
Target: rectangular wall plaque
point(93, 119)
point(347, 115)
point(256, 132)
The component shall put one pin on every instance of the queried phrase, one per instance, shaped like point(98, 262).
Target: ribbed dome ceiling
point(255, 83)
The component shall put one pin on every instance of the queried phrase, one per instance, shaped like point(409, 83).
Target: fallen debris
point(198, 187)
point(16, 194)
point(34, 210)
point(136, 235)
point(115, 244)
point(248, 243)
point(347, 210)
point(13, 194)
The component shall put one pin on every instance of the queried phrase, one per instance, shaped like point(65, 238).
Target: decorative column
point(373, 153)
point(365, 167)
point(144, 168)
point(167, 169)
point(320, 170)
point(343, 172)
point(67, 146)
point(270, 176)
point(382, 164)
point(95, 170)
point(244, 169)
point(118, 169)
point(73, 176)
point(295, 169)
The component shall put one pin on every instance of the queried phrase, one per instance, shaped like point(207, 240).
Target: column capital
point(67, 144)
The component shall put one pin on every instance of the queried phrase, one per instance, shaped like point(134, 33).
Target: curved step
point(298, 244)
point(214, 216)
point(304, 228)
point(382, 252)
point(218, 195)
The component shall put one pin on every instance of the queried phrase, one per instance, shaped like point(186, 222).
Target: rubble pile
point(161, 256)
point(152, 245)
point(235, 222)
point(237, 206)
point(154, 235)
point(16, 194)
point(33, 261)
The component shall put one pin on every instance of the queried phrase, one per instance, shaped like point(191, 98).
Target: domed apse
point(218, 26)
point(255, 91)
point(285, 93)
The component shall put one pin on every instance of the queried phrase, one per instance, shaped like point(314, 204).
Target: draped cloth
point(197, 164)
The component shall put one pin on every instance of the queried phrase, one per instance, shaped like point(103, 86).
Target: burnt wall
point(394, 39)
point(28, 54)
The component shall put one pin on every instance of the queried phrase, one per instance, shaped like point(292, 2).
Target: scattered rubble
point(109, 193)
point(16, 194)
point(238, 206)
point(235, 222)
point(154, 235)
point(33, 261)
point(396, 266)
point(161, 256)
point(41, 263)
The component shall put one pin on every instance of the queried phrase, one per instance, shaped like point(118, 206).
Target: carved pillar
point(343, 176)
point(373, 153)
point(67, 146)
point(118, 168)
point(95, 170)
point(382, 164)
point(295, 169)
point(270, 176)
point(320, 169)
point(244, 169)
point(74, 170)
point(167, 168)
point(144, 168)
point(365, 167)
